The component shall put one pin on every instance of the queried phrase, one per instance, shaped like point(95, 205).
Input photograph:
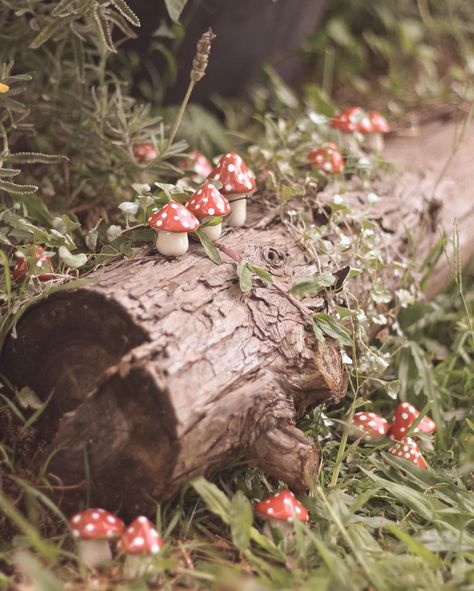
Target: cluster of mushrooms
point(175, 221)
point(205, 208)
point(97, 529)
point(369, 426)
point(351, 124)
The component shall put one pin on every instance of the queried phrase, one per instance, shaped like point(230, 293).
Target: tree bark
point(161, 369)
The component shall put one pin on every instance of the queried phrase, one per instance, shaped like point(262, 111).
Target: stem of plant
point(178, 119)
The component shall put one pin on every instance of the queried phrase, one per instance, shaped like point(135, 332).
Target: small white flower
point(338, 199)
point(373, 198)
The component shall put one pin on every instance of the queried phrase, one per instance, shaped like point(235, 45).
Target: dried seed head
point(202, 56)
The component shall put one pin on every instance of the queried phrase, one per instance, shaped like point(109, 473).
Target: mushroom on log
point(161, 370)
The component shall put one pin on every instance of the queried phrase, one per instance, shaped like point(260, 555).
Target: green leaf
point(35, 158)
point(215, 499)
point(103, 25)
point(45, 34)
point(15, 189)
point(307, 286)
point(175, 8)
point(72, 260)
point(209, 247)
point(262, 273)
point(31, 567)
point(126, 12)
point(241, 518)
point(245, 277)
point(332, 328)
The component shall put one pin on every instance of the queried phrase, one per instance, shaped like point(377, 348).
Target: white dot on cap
point(138, 541)
point(211, 211)
point(231, 168)
point(270, 510)
point(228, 187)
point(90, 527)
point(76, 518)
point(159, 223)
point(185, 225)
point(198, 206)
point(199, 192)
point(249, 185)
point(164, 215)
point(298, 510)
point(404, 415)
point(217, 176)
point(111, 519)
point(176, 217)
point(174, 205)
point(381, 430)
point(95, 515)
point(407, 456)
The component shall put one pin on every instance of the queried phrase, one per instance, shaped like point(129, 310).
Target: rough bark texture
point(163, 370)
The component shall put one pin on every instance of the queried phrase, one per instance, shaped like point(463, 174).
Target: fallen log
point(162, 369)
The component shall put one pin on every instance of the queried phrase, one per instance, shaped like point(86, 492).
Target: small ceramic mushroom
point(346, 122)
point(327, 158)
point(95, 528)
point(43, 262)
point(173, 223)
point(408, 449)
point(207, 203)
point(197, 163)
point(380, 127)
point(368, 426)
point(238, 182)
point(279, 511)
point(404, 417)
point(140, 543)
point(144, 152)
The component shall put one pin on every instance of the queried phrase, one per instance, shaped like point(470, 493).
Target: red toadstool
point(42, 261)
point(144, 152)
point(368, 426)
point(327, 158)
point(408, 449)
point(196, 162)
point(173, 223)
point(379, 128)
point(404, 417)
point(207, 203)
point(281, 509)
point(347, 122)
point(140, 542)
point(95, 528)
point(238, 182)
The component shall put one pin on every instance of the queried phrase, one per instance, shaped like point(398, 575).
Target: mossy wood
point(162, 369)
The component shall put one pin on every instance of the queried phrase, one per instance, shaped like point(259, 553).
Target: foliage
point(401, 52)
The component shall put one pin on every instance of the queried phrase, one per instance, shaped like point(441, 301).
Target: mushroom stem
point(137, 565)
point(238, 212)
point(375, 142)
point(213, 232)
point(93, 553)
point(285, 527)
point(172, 244)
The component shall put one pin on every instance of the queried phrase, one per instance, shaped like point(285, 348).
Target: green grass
point(381, 524)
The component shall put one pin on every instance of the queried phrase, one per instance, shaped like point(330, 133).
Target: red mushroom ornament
point(368, 426)
point(197, 163)
point(207, 203)
point(238, 182)
point(408, 449)
point(379, 127)
point(404, 417)
point(173, 223)
point(347, 122)
point(281, 509)
point(144, 153)
point(95, 529)
point(140, 543)
point(42, 262)
point(327, 158)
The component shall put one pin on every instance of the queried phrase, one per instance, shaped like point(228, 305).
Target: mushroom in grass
point(408, 449)
point(144, 153)
point(327, 158)
point(404, 417)
point(42, 263)
point(95, 528)
point(140, 543)
point(379, 127)
point(173, 223)
point(368, 426)
point(347, 122)
point(280, 510)
point(207, 203)
point(197, 163)
point(238, 182)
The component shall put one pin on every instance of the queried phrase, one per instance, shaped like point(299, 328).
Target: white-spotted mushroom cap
point(196, 162)
point(174, 217)
point(96, 524)
point(348, 119)
point(234, 175)
point(379, 123)
point(141, 538)
point(369, 426)
point(328, 158)
point(207, 201)
point(404, 417)
point(283, 506)
point(408, 449)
